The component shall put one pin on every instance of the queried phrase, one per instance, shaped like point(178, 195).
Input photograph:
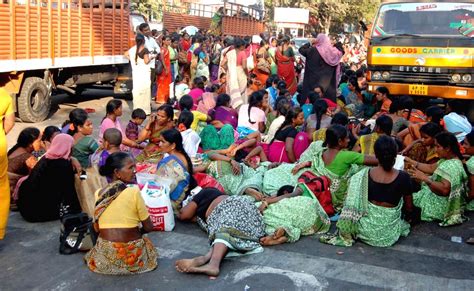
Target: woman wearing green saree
point(443, 195)
point(330, 159)
point(373, 207)
point(289, 216)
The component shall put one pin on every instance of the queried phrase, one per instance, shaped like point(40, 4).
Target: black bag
point(158, 65)
point(77, 234)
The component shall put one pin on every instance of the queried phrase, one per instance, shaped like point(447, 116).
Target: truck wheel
point(34, 101)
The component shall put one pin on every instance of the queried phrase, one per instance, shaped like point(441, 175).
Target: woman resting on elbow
point(232, 223)
point(282, 147)
point(443, 188)
point(120, 248)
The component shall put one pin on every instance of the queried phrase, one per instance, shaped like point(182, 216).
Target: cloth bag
point(158, 202)
point(86, 189)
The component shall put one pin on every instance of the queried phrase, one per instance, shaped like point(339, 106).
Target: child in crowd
point(191, 139)
point(111, 144)
point(222, 84)
point(179, 87)
point(186, 103)
point(272, 84)
point(133, 128)
point(197, 91)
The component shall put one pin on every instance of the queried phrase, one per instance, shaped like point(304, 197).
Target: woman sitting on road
point(21, 159)
point(424, 149)
point(121, 249)
point(81, 128)
point(373, 207)
point(233, 224)
point(443, 189)
point(176, 167)
point(48, 193)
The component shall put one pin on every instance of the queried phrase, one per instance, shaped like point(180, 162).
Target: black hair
point(186, 118)
point(285, 189)
point(283, 92)
point(436, 113)
point(255, 99)
point(168, 109)
point(320, 88)
point(48, 132)
point(449, 140)
point(263, 42)
point(222, 100)
point(355, 84)
point(222, 75)
point(457, 106)
point(238, 42)
point(313, 97)
point(142, 26)
point(198, 82)
point(174, 136)
point(177, 79)
point(334, 134)
point(386, 150)
point(138, 113)
point(385, 124)
point(26, 138)
point(273, 79)
point(470, 138)
point(394, 106)
point(383, 90)
point(113, 136)
point(112, 105)
point(301, 98)
point(320, 108)
point(431, 129)
point(340, 118)
point(290, 115)
point(77, 117)
point(282, 106)
point(139, 41)
point(186, 102)
point(281, 85)
point(406, 102)
point(115, 161)
point(344, 79)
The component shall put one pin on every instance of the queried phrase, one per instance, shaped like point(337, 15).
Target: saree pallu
point(119, 258)
point(212, 139)
point(151, 152)
point(237, 223)
point(237, 184)
point(286, 71)
point(297, 216)
point(422, 154)
point(172, 170)
point(375, 225)
point(277, 152)
point(163, 81)
point(449, 210)
point(320, 134)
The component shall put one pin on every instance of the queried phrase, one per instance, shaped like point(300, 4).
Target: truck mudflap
point(436, 91)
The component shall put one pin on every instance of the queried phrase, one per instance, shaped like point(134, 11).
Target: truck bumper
point(437, 91)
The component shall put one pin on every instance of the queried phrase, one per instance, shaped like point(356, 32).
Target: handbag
point(318, 187)
point(77, 234)
point(263, 66)
point(158, 65)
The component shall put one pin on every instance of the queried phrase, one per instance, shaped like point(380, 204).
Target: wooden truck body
point(48, 45)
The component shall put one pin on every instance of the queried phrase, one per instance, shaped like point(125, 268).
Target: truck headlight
point(377, 75)
point(456, 78)
point(386, 75)
point(466, 78)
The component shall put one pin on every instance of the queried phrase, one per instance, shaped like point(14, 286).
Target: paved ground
point(426, 260)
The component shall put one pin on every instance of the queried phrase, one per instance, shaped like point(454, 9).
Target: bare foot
point(185, 264)
point(279, 233)
point(207, 269)
point(269, 241)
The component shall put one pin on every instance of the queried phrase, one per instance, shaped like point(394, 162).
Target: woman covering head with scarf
point(49, 193)
point(322, 66)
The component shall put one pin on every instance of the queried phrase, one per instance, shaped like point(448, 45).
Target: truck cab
point(423, 48)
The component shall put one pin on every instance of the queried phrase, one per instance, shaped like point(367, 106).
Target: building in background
point(291, 21)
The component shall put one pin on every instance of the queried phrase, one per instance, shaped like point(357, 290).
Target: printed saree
point(449, 210)
point(375, 225)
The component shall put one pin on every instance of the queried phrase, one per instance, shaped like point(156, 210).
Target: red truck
point(51, 45)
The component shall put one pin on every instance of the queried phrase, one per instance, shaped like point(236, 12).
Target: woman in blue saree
point(175, 168)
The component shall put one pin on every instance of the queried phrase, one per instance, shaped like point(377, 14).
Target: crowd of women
point(270, 160)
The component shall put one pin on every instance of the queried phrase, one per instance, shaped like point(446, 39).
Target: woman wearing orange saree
point(285, 57)
point(164, 79)
point(263, 68)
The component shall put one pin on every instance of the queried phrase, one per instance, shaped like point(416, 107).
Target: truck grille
point(409, 77)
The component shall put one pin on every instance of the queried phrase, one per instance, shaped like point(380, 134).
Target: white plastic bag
point(157, 200)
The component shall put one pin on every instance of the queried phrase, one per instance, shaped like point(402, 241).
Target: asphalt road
point(426, 260)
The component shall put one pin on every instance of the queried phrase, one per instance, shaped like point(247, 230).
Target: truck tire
point(34, 101)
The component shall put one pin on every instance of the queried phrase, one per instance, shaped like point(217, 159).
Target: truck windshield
point(433, 19)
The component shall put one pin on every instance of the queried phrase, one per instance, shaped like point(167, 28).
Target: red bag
point(206, 181)
point(317, 187)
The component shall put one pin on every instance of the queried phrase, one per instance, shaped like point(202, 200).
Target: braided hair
point(320, 108)
point(449, 140)
point(290, 115)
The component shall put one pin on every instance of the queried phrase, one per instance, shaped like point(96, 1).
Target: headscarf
point(60, 148)
point(331, 55)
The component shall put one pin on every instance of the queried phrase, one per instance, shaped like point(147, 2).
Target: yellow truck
point(423, 48)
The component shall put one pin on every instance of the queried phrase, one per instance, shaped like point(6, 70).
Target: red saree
point(286, 70)
point(163, 80)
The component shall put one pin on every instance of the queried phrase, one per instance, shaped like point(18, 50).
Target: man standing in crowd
point(151, 46)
